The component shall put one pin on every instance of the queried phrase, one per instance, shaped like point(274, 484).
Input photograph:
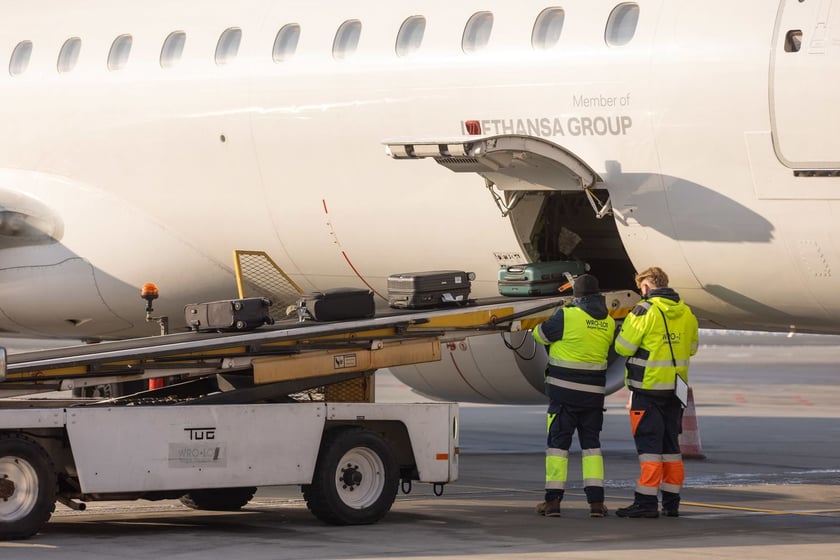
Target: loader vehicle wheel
point(27, 486)
point(356, 478)
point(218, 499)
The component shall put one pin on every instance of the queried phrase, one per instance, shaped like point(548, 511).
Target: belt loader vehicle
point(240, 410)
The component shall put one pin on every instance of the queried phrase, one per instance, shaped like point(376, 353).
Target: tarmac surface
point(769, 422)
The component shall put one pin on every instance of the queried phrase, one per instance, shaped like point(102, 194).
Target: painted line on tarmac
point(747, 509)
point(471, 490)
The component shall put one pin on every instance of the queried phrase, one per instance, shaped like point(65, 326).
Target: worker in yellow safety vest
point(659, 336)
point(579, 337)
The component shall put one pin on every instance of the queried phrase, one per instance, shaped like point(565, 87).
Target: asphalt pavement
point(768, 410)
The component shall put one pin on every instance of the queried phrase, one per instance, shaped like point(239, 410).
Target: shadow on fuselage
point(683, 210)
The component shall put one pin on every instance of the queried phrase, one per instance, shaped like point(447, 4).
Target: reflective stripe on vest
point(656, 363)
point(575, 386)
point(626, 343)
point(651, 386)
point(540, 335)
point(577, 365)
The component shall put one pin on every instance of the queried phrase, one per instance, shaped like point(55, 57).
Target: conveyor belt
point(286, 337)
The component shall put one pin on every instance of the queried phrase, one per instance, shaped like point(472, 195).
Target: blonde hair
point(654, 275)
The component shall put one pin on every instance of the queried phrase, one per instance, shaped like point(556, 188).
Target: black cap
point(586, 285)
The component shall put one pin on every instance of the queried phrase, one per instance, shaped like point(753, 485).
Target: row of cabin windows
point(620, 29)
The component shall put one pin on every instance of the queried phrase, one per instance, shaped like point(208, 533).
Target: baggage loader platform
point(238, 413)
point(298, 355)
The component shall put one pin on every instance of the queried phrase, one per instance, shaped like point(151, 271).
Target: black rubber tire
point(218, 499)
point(352, 458)
point(28, 486)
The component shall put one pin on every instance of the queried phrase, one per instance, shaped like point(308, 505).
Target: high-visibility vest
point(645, 336)
point(584, 347)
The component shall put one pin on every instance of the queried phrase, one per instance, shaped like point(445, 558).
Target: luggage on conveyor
point(537, 279)
point(340, 304)
point(413, 290)
point(229, 315)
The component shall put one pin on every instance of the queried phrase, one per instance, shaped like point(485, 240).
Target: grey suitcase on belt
point(413, 290)
point(229, 315)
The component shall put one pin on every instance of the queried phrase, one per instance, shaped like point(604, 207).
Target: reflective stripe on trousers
point(660, 471)
point(556, 468)
point(593, 467)
point(673, 473)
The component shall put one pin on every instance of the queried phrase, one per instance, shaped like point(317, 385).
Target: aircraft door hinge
point(601, 208)
point(504, 207)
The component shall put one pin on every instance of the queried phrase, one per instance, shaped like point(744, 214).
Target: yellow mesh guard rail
point(257, 275)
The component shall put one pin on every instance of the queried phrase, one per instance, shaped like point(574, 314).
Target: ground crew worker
point(580, 335)
point(659, 336)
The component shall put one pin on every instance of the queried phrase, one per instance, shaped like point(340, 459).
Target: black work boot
point(670, 504)
point(637, 510)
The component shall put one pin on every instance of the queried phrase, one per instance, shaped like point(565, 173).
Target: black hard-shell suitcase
point(537, 279)
point(340, 304)
point(229, 315)
point(429, 289)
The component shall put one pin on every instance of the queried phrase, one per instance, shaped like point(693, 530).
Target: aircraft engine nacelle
point(506, 368)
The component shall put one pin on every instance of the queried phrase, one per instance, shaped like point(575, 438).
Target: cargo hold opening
point(556, 203)
point(560, 225)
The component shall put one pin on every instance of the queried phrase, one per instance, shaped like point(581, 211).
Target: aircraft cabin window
point(69, 54)
point(286, 42)
point(347, 39)
point(118, 55)
point(19, 61)
point(547, 28)
point(172, 49)
point(228, 46)
point(621, 26)
point(410, 36)
point(477, 32)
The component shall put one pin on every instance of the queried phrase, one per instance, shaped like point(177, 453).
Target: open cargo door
point(510, 162)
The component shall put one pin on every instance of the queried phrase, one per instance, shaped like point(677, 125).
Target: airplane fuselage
point(694, 126)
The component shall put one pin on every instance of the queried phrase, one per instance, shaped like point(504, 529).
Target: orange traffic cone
point(690, 445)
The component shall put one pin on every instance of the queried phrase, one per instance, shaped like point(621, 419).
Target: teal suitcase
point(537, 279)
